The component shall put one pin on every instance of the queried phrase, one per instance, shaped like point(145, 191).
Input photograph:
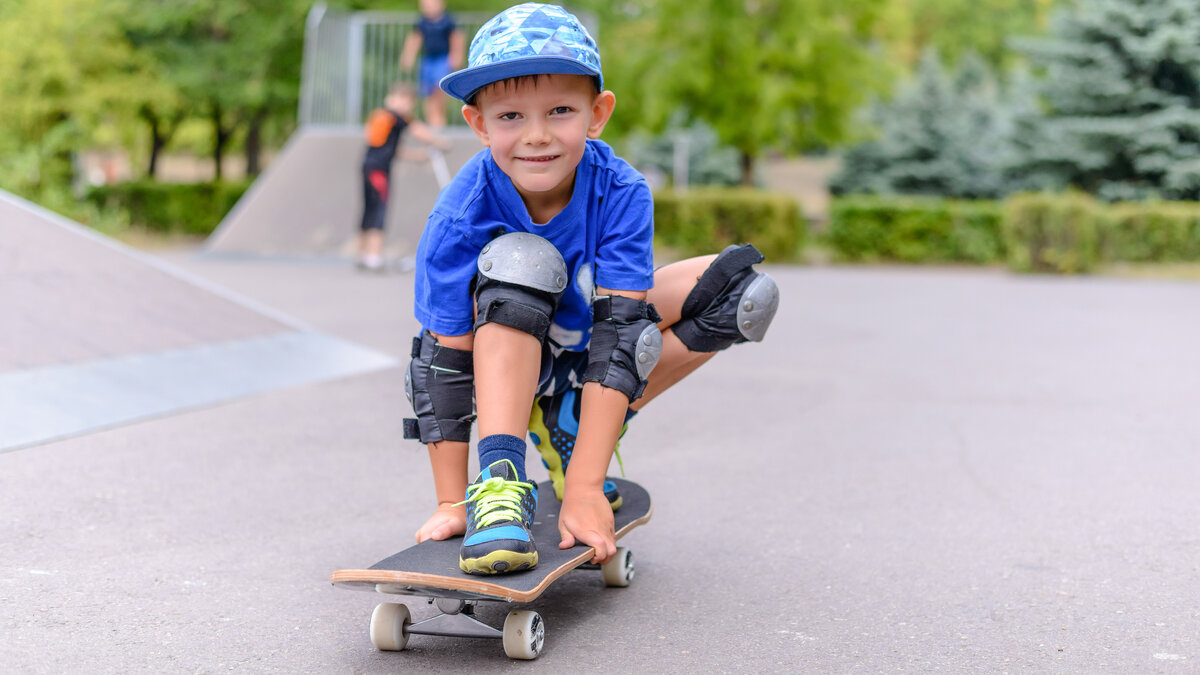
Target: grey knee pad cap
point(521, 277)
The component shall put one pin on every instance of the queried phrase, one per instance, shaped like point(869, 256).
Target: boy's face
point(537, 130)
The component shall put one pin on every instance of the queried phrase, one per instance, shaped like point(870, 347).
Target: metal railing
point(352, 58)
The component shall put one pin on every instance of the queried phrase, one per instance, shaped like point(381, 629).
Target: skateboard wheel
point(389, 626)
point(524, 634)
point(619, 570)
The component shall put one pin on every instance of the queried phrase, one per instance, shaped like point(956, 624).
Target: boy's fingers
point(567, 539)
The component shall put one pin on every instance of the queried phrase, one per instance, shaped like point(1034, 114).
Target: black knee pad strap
point(525, 309)
point(440, 383)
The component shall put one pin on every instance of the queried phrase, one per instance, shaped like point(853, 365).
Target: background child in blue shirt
point(440, 41)
point(536, 291)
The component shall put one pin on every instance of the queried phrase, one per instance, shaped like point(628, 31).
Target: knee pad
point(626, 344)
point(521, 277)
point(731, 303)
point(440, 384)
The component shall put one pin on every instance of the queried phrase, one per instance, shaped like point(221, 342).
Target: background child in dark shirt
point(384, 129)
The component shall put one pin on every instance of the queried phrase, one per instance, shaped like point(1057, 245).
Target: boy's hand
point(587, 517)
point(448, 521)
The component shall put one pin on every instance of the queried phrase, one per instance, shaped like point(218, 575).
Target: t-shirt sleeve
point(378, 126)
point(446, 265)
point(625, 250)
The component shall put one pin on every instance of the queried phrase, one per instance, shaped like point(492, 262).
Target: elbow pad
point(440, 384)
point(626, 344)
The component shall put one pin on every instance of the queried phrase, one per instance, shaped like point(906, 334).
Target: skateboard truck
point(457, 619)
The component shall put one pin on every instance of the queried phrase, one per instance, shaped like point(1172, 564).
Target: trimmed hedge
point(1052, 233)
point(916, 229)
point(1151, 231)
point(1068, 233)
point(1073, 232)
point(706, 220)
point(184, 208)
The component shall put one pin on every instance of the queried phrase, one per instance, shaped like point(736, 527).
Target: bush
point(706, 220)
point(1152, 232)
point(1052, 233)
point(916, 229)
point(178, 208)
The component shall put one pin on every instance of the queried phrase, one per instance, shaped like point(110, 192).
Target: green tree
point(235, 63)
point(956, 27)
point(67, 79)
point(1122, 88)
point(784, 74)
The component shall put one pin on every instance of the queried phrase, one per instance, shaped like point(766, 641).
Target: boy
point(384, 128)
point(442, 41)
point(535, 279)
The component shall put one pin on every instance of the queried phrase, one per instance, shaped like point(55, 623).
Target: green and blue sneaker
point(553, 427)
point(500, 512)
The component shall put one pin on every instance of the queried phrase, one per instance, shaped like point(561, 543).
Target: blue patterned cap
point(528, 39)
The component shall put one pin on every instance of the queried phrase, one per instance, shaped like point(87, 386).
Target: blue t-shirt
point(605, 235)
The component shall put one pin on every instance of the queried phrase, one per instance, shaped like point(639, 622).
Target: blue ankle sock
point(503, 446)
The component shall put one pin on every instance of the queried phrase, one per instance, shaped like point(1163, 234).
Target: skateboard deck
point(430, 570)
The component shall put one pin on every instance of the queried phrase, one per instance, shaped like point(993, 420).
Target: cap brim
point(464, 83)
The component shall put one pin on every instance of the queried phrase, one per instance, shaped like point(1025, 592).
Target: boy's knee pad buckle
point(626, 344)
point(731, 303)
point(521, 277)
point(440, 384)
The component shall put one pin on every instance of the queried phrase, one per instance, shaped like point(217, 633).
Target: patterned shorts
point(561, 370)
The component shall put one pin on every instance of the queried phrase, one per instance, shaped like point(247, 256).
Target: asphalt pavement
point(930, 470)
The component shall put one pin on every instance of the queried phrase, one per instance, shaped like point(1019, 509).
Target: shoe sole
point(499, 562)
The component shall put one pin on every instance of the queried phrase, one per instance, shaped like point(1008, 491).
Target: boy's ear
point(602, 110)
point(474, 117)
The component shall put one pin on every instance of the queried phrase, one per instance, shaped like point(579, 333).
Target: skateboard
point(430, 570)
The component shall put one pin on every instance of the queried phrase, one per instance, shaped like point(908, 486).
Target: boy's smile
point(537, 129)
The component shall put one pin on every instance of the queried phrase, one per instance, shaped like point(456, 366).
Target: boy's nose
point(537, 133)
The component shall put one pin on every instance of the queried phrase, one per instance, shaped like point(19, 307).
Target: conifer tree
point(1122, 92)
point(942, 134)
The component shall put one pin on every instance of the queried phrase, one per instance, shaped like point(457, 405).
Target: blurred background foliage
point(222, 76)
point(937, 99)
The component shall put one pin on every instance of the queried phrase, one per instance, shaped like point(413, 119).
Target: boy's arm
point(457, 42)
point(586, 514)
point(408, 53)
point(423, 132)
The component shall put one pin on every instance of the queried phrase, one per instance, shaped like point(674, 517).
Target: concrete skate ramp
point(96, 334)
point(308, 203)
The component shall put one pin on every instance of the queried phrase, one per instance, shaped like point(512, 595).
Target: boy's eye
point(561, 110)
point(509, 116)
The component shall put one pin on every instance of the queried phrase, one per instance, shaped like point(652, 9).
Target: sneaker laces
point(617, 449)
point(496, 499)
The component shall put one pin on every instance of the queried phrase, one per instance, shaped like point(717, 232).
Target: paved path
point(917, 470)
